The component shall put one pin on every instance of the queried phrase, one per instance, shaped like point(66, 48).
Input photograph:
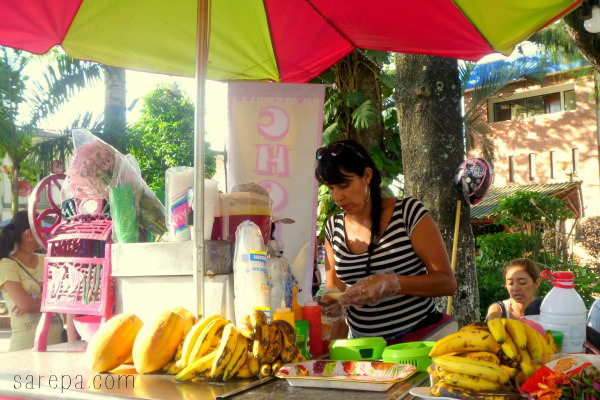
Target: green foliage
point(164, 135)
point(62, 78)
point(531, 207)
point(588, 236)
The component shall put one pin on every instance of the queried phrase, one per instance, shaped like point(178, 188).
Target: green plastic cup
point(125, 225)
point(301, 328)
point(558, 339)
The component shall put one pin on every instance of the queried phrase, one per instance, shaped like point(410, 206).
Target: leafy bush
point(531, 207)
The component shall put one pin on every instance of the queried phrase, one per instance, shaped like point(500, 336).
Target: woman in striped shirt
point(386, 254)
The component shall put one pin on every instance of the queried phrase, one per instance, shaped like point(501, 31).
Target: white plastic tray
point(341, 384)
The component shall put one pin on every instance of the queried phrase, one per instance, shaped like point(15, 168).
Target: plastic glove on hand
point(329, 306)
point(371, 290)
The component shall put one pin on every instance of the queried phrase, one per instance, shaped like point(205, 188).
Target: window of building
point(552, 164)
point(531, 166)
point(534, 105)
point(570, 104)
point(511, 168)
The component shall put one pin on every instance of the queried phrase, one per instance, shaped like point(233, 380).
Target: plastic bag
point(251, 283)
point(98, 167)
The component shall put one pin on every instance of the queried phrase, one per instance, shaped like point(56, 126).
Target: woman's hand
point(17, 311)
point(332, 309)
point(371, 290)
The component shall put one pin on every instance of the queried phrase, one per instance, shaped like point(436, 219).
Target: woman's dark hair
point(12, 233)
point(353, 160)
point(527, 265)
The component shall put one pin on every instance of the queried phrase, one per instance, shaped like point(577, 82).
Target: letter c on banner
point(278, 123)
point(277, 193)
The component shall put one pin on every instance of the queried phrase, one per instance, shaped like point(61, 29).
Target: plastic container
point(301, 328)
point(178, 182)
point(241, 206)
point(564, 311)
point(360, 349)
point(311, 312)
point(414, 353)
point(284, 314)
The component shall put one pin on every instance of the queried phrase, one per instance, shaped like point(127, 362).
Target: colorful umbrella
point(276, 40)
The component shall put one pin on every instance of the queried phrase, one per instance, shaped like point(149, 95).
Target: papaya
point(112, 344)
point(157, 341)
point(188, 318)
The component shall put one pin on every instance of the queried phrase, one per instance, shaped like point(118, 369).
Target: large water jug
point(563, 310)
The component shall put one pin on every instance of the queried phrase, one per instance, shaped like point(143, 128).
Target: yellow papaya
point(111, 345)
point(157, 341)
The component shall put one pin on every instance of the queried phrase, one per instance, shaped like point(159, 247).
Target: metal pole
point(201, 61)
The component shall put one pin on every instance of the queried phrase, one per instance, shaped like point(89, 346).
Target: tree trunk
point(352, 74)
point(14, 187)
point(587, 42)
point(429, 115)
point(115, 107)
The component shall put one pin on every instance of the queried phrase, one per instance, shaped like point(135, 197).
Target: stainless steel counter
point(61, 373)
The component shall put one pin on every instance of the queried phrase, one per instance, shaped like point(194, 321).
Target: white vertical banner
point(274, 131)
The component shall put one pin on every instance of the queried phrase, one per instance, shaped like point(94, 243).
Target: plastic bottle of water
point(563, 310)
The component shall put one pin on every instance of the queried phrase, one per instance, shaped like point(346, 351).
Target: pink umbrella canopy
point(272, 40)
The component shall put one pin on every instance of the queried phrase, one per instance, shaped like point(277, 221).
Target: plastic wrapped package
point(178, 182)
point(278, 271)
point(251, 282)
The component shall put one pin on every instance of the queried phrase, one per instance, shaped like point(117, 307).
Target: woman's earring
point(368, 193)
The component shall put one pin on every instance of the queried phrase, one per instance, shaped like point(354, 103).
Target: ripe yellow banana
point(465, 341)
point(535, 345)
point(261, 341)
point(276, 366)
point(238, 358)
point(510, 348)
point(192, 336)
point(206, 338)
point(526, 365)
point(253, 364)
point(497, 330)
point(244, 373)
point(196, 368)
point(517, 332)
point(246, 327)
point(275, 345)
point(549, 340)
point(258, 318)
point(475, 326)
point(512, 372)
point(287, 332)
point(482, 355)
point(468, 366)
point(265, 370)
point(224, 352)
point(470, 382)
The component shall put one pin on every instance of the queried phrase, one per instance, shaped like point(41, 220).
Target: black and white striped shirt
point(393, 254)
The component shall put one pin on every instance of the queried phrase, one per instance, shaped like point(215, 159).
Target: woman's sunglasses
point(335, 150)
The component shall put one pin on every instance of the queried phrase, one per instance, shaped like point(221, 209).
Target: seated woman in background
point(21, 276)
point(522, 281)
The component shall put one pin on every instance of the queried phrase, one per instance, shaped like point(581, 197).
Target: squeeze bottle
point(285, 314)
point(296, 307)
point(311, 312)
point(563, 310)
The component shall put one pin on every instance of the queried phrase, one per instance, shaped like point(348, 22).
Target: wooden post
point(454, 249)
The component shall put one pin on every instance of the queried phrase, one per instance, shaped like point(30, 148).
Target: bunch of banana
point(272, 345)
point(482, 361)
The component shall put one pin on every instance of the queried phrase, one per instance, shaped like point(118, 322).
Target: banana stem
point(454, 249)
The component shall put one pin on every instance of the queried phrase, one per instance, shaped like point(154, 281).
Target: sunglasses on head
point(335, 150)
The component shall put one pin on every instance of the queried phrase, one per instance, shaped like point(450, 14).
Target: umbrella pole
point(201, 61)
point(454, 249)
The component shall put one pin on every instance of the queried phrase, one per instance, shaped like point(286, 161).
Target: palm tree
point(23, 107)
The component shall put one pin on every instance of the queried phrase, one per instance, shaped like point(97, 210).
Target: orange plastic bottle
point(296, 307)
